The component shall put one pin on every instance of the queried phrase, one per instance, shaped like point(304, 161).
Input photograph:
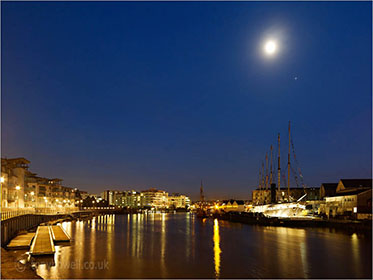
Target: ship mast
point(266, 171)
point(270, 176)
point(261, 194)
point(260, 178)
point(263, 175)
point(289, 167)
point(260, 185)
point(279, 168)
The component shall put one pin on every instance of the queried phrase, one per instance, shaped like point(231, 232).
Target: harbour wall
point(10, 227)
point(345, 225)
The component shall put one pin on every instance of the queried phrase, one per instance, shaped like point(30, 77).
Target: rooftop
point(357, 183)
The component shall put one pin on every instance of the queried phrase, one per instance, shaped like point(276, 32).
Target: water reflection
point(163, 245)
point(217, 250)
point(179, 246)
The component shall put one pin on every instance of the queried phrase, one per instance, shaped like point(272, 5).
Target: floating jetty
point(59, 234)
point(22, 241)
point(43, 242)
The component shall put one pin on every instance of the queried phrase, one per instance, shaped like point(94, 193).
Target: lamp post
point(32, 198)
point(17, 189)
point(1, 195)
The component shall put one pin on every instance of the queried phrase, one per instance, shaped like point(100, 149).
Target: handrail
point(11, 213)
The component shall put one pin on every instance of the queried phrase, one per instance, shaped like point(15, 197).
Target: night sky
point(134, 95)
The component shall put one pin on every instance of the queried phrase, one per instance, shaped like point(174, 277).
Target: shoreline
point(11, 265)
point(12, 268)
point(342, 225)
point(15, 266)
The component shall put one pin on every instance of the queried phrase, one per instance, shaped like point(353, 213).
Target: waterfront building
point(108, 196)
point(113, 197)
point(328, 189)
point(43, 192)
point(84, 194)
point(260, 197)
point(24, 189)
point(93, 201)
point(176, 200)
point(154, 198)
point(151, 198)
point(232, 205)
point(349, 203)
point(13, 182)
point(129, 199)
point(354, 184)
point(353, 198)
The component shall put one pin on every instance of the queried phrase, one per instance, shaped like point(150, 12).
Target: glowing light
point(217, 250)
point(32, 193)
point(2, 179)
point(270, 47)
point(18, 188)
point(294, 210)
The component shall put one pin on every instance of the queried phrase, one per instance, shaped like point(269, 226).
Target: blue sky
point(137, 95)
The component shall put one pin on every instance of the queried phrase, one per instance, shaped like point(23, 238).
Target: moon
point(270, 47)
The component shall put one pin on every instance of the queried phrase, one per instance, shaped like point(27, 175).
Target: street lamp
point(18, 188)
point(2, 181)
point(32, 199)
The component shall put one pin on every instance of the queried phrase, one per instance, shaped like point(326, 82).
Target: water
point(183, 246)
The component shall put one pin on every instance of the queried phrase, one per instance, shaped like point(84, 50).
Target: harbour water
point(183, 246)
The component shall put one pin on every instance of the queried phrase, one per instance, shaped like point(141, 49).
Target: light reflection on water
point(217, 250)
point(183, 246)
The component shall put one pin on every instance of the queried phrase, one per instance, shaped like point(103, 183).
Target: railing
point(14, 213)
point(7, 213)
point(100, 208)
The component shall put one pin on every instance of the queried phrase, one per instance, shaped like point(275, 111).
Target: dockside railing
point(7, 213)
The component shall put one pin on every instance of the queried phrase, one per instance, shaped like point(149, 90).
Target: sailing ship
point(202, 209)
point(281, 205)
